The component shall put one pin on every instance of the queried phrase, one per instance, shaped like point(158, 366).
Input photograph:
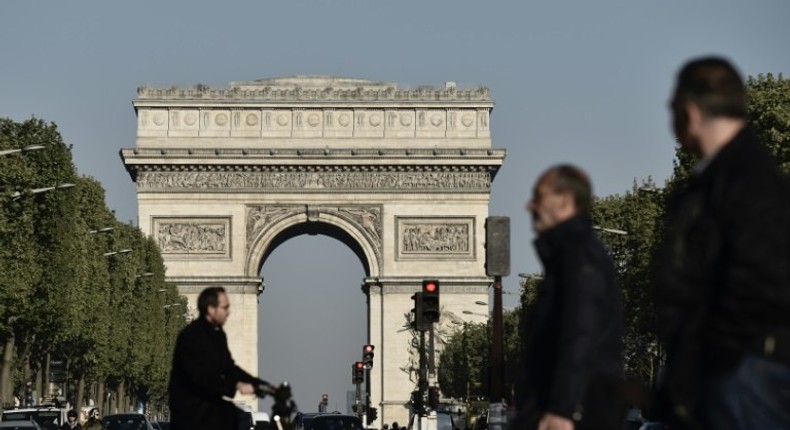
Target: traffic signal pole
point(497, 359)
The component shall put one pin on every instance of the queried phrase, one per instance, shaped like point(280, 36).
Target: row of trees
point(639, 213)
point(79, 288)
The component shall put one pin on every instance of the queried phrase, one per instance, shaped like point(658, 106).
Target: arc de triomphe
point(401, 176)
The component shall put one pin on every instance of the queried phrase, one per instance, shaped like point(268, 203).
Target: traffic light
point(324, 403)
point(416, 402)
point(367, 356)
point(358, 372)
point(430, 301)
point(373, 414)
point(358, 408)
point(433, 397)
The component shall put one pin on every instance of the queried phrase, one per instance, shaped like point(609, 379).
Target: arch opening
point(305, 323)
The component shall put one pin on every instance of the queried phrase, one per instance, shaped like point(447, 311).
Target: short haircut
point(713, 84)
point(209, 297)
point(567, 178)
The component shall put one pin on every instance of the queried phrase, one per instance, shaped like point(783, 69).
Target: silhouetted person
point(573, 364)
point(72, 423)
point(94, 421)
point(204, 373)
point(723, 282)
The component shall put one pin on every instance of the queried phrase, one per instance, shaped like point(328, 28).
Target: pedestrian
point(573, 365)
point(723, 286)
point(94, 420)
point(72, 423)
point(204, 373)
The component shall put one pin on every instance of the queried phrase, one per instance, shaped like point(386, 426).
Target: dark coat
point(723, 280)
point(203, 372)
point(574, 339)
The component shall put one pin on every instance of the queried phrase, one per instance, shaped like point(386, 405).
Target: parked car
point(48, 418)
point(130, 421)
point(335, 422)
point(20, 425)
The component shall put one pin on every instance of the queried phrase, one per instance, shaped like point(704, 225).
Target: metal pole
point(357, 400)
point(497, 360)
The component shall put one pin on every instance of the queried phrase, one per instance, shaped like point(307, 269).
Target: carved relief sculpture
point(192, 237)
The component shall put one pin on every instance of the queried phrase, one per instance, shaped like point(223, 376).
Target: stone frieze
point(192, 236)
point(316, 181)
point(422, 237)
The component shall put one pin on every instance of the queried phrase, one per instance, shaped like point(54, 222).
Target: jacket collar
point(726, 155)
point(551, 240)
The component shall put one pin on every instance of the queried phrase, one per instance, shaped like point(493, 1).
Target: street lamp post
point(101, 230)
point(610, 230)
point(23, 149)
point(19, 194)
point(122, 251)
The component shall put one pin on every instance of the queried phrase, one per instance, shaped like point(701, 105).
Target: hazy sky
point(585, 82)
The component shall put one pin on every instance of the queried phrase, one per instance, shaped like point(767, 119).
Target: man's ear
point(693, 115)
point(568, 206)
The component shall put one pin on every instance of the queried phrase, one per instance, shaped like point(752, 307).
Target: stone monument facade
point(401, 176)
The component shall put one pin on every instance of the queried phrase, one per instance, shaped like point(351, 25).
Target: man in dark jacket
point(204, 373)
point(723, 287)
point(573, 363)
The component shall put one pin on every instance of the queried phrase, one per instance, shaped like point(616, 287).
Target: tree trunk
point(99, 400)
point(80, 393)
point(41, 392)
point(46, 372)
point(5, 374)
point(122, 396)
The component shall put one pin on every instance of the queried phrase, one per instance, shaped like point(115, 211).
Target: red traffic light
point(359, 364)
point(430, 286)
point(367, 356)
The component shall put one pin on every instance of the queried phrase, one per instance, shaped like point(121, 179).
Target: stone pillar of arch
point(401, 176)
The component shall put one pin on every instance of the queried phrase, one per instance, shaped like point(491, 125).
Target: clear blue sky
point(581, 82)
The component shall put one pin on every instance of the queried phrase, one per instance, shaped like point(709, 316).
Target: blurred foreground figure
point(573, 364)
point(204, 375)
point(723, 287)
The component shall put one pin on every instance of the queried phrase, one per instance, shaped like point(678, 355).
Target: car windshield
point(330, 422)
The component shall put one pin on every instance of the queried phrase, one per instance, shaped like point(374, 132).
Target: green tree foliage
point(465, 360)
point(637, 214)
point(61, 296)
point(769, 114)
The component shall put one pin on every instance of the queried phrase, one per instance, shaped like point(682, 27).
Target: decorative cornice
point(322, 153)
point(318, 89)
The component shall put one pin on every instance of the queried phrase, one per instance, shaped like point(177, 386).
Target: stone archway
point(403, 177)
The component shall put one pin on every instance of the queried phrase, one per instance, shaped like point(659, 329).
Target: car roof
point(19, 424)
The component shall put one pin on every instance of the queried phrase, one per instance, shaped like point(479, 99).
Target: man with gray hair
point(573, 364)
